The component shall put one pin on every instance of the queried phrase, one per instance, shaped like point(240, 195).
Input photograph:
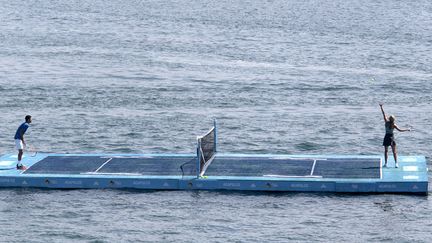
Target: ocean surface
point(282, 77)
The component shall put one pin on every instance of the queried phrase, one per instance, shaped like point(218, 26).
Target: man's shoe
point(21, 167)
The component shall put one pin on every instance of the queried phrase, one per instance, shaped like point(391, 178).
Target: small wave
point(307, 146)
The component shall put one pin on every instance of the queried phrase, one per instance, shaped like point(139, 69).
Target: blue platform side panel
point(262, 185)
point(262, 172)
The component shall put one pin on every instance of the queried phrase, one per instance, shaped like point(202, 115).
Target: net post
point(215, 135)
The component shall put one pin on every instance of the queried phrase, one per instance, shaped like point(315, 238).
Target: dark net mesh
point(207, 148)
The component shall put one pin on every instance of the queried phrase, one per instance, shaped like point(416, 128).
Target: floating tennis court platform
point(208, 170)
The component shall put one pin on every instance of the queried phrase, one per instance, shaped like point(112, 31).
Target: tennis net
point(206, 150)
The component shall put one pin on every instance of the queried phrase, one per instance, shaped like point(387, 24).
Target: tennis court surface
point(207, 169)
point(245, 166)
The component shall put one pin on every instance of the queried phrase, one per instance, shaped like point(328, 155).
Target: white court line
point(100, 167)
point(288, 176)
point(313, 167)
point(293, 158)
point(97, 173)
point(381, 169)
point(128, 157)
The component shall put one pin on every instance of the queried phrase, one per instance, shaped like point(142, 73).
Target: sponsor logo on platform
point(69, 182)
point(409, 159)
point(410, 168)
point(141, 183)
point(7, 180)
point(299, 185)
point(388, 186)
point(231, 184)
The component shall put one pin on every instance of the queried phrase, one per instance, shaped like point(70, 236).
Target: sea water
point(282, 77)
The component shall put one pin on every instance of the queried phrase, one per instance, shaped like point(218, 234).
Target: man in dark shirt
point(20, 142)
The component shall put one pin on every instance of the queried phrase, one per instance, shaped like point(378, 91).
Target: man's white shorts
point(19, 144)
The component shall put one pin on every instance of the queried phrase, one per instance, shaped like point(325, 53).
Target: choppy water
point(296, 77)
